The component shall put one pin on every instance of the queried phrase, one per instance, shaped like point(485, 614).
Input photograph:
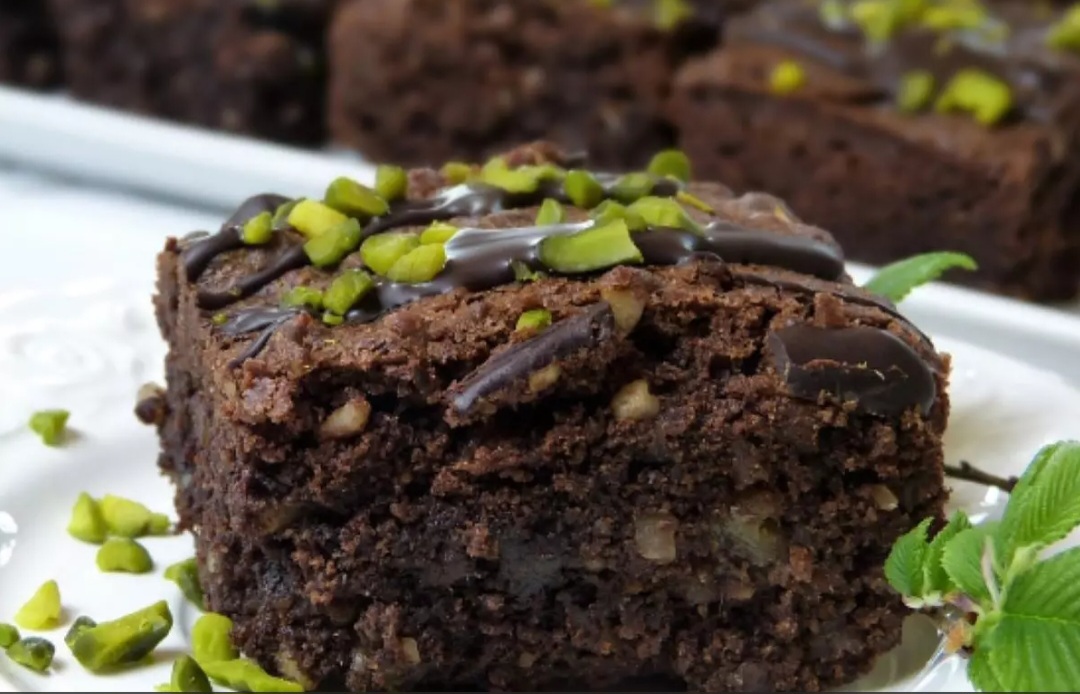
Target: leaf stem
point(987, 563)
point(969, 473)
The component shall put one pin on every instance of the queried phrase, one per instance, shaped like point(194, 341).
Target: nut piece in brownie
point(432, 80)
point(523, 426)
point(905, 128)
point(28, 45)
point(243, 66)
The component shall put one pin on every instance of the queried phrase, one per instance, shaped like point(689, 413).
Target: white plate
point(88, 347)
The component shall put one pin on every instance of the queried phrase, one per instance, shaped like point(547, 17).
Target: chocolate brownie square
point(28, 45)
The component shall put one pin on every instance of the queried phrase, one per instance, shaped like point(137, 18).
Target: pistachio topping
point(125, 640)
point(245, 675)
point(632, 186)
point(302, 297)
point(185, 574)
point(694, 201)
point(609, 211)
point(550, 212)
point(593, 249)
point(523, 273)
point(536, 319)
point(87, 523)
point(211, 639)
point(787, 77)
point(671, 13)
point(523, 179)
point(312, 218)
point(81, 624)
point(127, 518)
point(258, 230)
point(220, 318)
point(1065, 34)
point(438, 232)
point(347, 290)
point(331, 247)
point(391, 182)
point(984, 96)
point(280, 219)
point(419, 265)
point(187, 676)
point(582, 189)
point(663, 212)
point(50, 425)
point(42, 610)
point(354, 199)
point(671, 163)
point(381, 251)
point(332, 319)
point(458, 172)
point(124, 555)
point(33, 653)
point(9, 634)
point(915, 91)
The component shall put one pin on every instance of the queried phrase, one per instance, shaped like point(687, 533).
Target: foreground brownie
point(433, 81)
point(946, 127)
point(241, 66)
point(28, 45)
point(521, 427)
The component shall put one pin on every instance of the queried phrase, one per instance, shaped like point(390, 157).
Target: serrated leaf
point(981, 672)
point(1036, 645)
point(1045, 505)
point(895, 281)
point(962, 561)
point(904, 567)
point(936, 578)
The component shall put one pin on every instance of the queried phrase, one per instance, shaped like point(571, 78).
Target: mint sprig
point(897, 280)
point(1019, 613)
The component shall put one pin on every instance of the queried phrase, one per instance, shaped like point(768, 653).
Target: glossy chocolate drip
point(292, 259)
point(197, 257)
point(265, 319)
point(877, 370)
point(587, 329)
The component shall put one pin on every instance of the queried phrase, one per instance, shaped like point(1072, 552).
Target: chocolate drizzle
point(265, 319)
point(201, 253)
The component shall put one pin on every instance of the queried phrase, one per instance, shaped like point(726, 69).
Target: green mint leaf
point(1036, 644)
point(895, 281)
point(904, 567)
point(962, 561)
point(981, 672)
point(936, 577)
point(1045, 505)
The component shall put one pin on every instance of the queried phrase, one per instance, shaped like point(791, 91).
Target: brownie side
point(28, 45)
point(423, 81)
point(223, 65)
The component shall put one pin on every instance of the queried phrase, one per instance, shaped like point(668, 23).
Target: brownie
point(423, 81)
point(566, 456)
point(888, 171)
point(241, 66)
point(28, 45)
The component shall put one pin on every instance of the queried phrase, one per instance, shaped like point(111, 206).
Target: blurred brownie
point(242, 66)
point(28, 45)
point(470, 431)
point(950, 126)
point(424, 81)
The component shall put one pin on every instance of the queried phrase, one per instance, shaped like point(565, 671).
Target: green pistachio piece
point(391, 182)
point(258, 230)
point(42, 611)
point(609, 211)
point(671, 163)
point(302, 297)
point(87, 523)
point(632, 186)
point(127, 518)
point(524, 179)
point(663, 212)
point(354, 199)
point(219, 318)
point(312, 218)
point(124, 555)
point(833, 13)
point(953, 17)
point(419, 265)
point(583, 189)
point(80, 625)
point(125, 640)
point(694, 201)
point(280, 220)
point(33, 653)
point(524, 273)
point(332, 319)
point(246, 676)
point(438, 232)
point(881, 19)
point(592, 249)
point(536, 319)
point(331, 247)
point(550, 212)
point(50, 425)
point(456, 172)
point(786, 78)
point(671, 13)
point(381, 251)
point(185, 574)
point(1065, 35)
point(159, 524)
point(982, 95)
point(211, 639)
point(347, 290)
point(187, 676)
point(916, 91)
point(9, 634)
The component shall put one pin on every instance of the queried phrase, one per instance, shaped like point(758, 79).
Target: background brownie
point(892, 181)
point(422, 81)
point(238, 65)
point(28, 45)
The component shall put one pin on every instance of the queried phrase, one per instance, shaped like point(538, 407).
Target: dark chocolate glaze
point(292, 259)
point(591, 327)
point(872, 367)
point(265, 319)
point(198, 256)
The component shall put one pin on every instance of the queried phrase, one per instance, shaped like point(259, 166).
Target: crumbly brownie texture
point(891, 183)
point(690, 479)
point(432, 80)
point(235, 65)
point(28, 45)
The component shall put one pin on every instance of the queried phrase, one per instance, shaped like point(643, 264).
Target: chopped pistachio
point(219, 318)
point(456, 172)
point(302, 297)
point(671, 163)
point(984, 96)
point(632, 186)
point(332, 319)
point(523, 273)
point(347, 290)
point(524, 179)
point(127, 518)
point(211, 639)
point(160, 524)
point(787, 77)
point(280, 220)
point(331, 247)
point(536, 319)
point(663, 212)
point(258, 230)
point(672, 13)
point(419, 265)
point(381, 251)
point(312, 218)
point(186, 676)
point(42, 611)
point(1065, 35)
point(354, 199)
point(391, 182)
point(881, 19)
point(438, 232)
point(595, 248)
point(953, 16)
point(33, 653)
point(916, 91)
point(185, 574)
point(247, 676)
point(583, 189)
point(609, 211)
point(550, 212)
point(833, 13)
point(125, 640)
point(87, 523)
point(9, 634)
point(50, 425)
point(124, 555)
point(81, 624)
point(694, 201)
